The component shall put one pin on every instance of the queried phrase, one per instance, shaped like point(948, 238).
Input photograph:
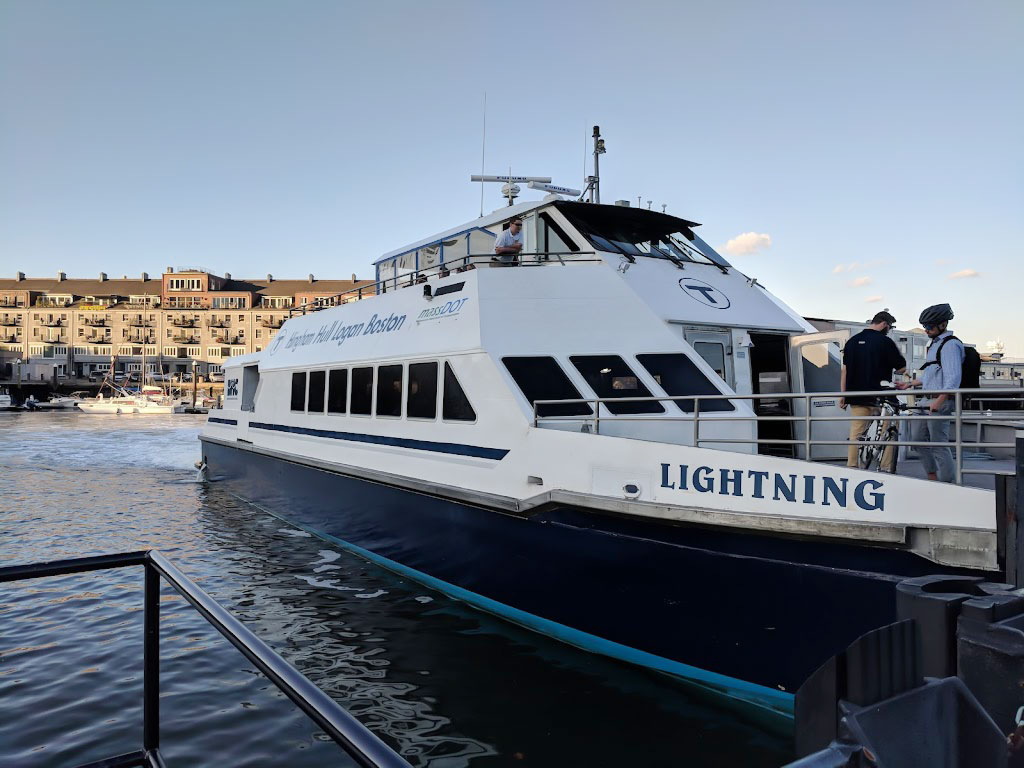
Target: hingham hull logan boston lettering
point(623, 514)
point(758, 484)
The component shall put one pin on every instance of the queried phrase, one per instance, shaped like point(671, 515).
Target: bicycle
point(883, 429)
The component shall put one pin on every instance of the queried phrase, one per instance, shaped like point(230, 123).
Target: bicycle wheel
point(869, 456)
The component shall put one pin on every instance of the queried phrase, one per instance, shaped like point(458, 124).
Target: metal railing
point(352, 736)
point(959, 396)
point(418, 276)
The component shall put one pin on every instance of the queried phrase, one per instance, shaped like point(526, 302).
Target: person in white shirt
point(509, 244)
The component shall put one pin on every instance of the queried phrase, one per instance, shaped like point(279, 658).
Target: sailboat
point(123, 400)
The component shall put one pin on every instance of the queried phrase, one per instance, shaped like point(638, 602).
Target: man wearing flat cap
point(869, 358)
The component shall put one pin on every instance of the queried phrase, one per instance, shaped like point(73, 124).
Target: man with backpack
point(944, 368)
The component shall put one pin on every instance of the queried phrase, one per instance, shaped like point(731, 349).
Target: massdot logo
point(705, 293)
point(231, 388)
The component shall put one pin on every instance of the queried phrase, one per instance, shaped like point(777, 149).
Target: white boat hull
point(129, 405)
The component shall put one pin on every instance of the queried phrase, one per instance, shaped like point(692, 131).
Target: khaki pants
point(863, 415)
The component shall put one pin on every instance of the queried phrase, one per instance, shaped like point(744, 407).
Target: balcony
point(183, 322)
point(186, 339)
point(138, 322)
point(141, 340)
point(57, 323)
point(10, 321)
point(234, 340)
point(273, 323)
point(218, 324)
point(9, 339)
point(95, 322)
point(97, 339)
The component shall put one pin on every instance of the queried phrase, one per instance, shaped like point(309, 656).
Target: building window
point(213, 352)
point(542, 378)
point(299, 391)
point(678, 375)
point(317, 383)
point(456, 406)
point(184, 284)
point(610, 377)
point(337, 391)
point(421, 402)
point(362, 391)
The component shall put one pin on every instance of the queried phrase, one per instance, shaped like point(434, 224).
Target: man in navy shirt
point(869, 358)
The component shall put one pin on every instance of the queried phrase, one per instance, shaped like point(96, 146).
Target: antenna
point(510, 183)
point(483, 154)
point(594, 182)
point(554, 188)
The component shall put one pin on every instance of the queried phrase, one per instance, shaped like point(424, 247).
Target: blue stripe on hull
point(748, 616)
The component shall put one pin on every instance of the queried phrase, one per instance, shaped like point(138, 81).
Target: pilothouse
point(594, 442)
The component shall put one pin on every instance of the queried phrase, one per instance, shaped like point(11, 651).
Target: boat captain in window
point(509, 244)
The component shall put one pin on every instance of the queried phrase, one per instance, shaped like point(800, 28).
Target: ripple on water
point(445, 685)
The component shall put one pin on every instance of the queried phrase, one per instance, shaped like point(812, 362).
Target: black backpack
point(970, 370)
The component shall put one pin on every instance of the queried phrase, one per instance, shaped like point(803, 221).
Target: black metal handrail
point(356, 739)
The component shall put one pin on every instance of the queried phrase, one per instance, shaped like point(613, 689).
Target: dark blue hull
point(748, 615)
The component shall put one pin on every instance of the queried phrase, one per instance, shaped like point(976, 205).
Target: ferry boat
point(656, 512)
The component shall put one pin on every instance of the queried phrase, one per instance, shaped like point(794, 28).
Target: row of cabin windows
point(344, 390)
point(542, 378)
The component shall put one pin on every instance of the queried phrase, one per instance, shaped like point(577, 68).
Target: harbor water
point(443, 684)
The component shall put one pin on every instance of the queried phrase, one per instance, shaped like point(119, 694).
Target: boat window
point(429, 256)
point(679, 375)
point(610, 377)
point(250, 381)
point(299, 391)
point(362, 391)
point(317, 384)
point(453, 249)
point(389, 390)
point(821, 366)
point(456, 406)
point(713, 353)
point(422, 399)
point(553, 238)
point(481, 243)
point(337, 390)
point(542, 378)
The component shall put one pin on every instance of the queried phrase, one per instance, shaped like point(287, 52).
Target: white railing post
point(958, 432)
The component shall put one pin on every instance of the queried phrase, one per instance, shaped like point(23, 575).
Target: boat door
point(716, 348)
point(816, 362)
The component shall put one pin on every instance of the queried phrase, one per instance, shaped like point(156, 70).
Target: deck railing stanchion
point(807, 427)
point(151, 661)
point(597, 417)
point(958, 431)
point(696, 422)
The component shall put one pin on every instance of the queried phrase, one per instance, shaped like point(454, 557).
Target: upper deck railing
point(462, 264)
point(960, 399)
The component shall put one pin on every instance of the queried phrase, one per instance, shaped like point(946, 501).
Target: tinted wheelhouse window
point(422, 400)
point(299, 391)
point(317, 385)
point(610, 377)
point(541, 378)
point(456, 405)
point(678, 375)
point(389, 390)
point(362, 391)
point(337, 391)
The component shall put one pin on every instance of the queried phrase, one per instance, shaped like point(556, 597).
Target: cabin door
point(816, 363)
point(716, 349)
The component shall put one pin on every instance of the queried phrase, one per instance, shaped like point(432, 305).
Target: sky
point(851, 156)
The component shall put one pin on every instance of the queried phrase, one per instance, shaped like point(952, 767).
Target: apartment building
point(80, 327)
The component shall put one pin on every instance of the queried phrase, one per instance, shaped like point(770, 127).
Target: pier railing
point(959, 397)
point(348, 733)
point(461, 264)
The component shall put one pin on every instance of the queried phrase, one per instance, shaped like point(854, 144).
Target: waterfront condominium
point(187, 319)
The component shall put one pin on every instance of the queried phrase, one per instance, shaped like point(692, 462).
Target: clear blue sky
point(296, 137)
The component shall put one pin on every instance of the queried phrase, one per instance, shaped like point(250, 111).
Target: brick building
point(74, 328)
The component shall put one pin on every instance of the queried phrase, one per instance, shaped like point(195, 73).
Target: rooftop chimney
point(19, 275)
point(103, 276)
point(622, 203)
point(353, 277)
point(61, 276)
point(169, 270)
point(145, 276)
point(270, 278)
point(311, 277)
point(227, 275)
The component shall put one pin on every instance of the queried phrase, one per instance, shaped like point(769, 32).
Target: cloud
point(965, 273)
point(747, 243)
point(873, 299)
point(862, 281)
point(943, 262)
point(840, 268)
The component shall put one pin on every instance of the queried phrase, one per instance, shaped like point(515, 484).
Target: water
point(443, 684)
